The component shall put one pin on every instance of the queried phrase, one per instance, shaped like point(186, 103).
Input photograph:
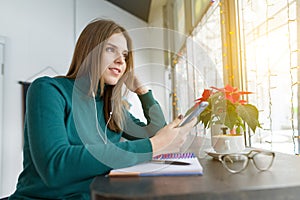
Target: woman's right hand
point(136, 86)
point(171, 137)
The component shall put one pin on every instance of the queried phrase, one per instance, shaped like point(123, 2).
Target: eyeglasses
point(238, 162)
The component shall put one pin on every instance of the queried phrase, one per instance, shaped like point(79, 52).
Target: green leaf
point(189, 110)
point(249, 114)
point(205, 117)
point(231, 116)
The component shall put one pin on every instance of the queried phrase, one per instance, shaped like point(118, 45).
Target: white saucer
point(214, 154)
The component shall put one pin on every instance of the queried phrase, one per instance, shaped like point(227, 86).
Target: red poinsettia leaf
point(205, 95)
point(244, 92)
point(228, 96)
point(232, 97)
point(243, 102)
point(229, 88)
point(235, 97)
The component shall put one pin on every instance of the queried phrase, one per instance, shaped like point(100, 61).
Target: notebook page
point(159, 169)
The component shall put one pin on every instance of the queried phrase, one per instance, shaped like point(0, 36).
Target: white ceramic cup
point(229, 143)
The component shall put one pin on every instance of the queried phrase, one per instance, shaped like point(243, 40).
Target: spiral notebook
point(182, 164)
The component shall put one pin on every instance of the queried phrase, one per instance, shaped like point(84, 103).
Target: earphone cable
point(106, 126)
point(97, 123)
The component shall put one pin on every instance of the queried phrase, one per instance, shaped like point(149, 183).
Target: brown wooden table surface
point(282, 181)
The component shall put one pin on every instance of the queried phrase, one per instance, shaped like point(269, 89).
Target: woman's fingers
point(176, 121)
point(190, 124)
point(171, 137)
point(132, 83)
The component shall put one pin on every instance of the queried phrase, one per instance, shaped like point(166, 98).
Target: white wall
point(40, 34)
point(2, 49)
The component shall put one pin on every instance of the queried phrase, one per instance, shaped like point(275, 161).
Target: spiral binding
point(175, 155)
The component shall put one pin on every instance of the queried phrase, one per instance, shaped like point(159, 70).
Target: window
point(207, 51)
point(199, 64)
point(262, 56)
point(270, 57)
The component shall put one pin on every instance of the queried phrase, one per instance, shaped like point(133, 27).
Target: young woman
point(74, 123)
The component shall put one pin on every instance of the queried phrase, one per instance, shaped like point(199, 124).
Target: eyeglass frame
point(249, 157)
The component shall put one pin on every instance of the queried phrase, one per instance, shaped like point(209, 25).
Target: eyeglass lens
point(238, 162)
point(263, 160)
point(235, 162)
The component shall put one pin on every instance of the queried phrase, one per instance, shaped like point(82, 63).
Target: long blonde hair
point(91, 41)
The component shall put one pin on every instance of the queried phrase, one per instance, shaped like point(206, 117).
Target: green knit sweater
point(61, 157)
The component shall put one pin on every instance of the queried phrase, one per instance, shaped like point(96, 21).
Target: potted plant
point(226, 107)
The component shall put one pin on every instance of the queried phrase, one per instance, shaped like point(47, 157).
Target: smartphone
point(194, 113)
